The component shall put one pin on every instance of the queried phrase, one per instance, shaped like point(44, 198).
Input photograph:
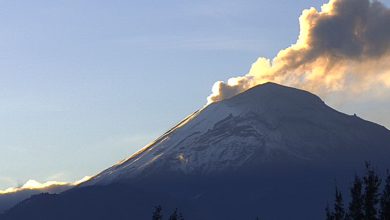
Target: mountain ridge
point(268, 148)
point(256, 116)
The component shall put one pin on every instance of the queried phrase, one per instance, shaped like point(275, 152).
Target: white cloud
point(36, 185)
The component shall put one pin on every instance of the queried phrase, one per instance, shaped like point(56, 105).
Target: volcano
point(272, 151)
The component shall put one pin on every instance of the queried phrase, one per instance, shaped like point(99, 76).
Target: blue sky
point(84, 85)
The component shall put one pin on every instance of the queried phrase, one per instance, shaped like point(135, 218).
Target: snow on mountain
point(266, 123)
point(268, 148)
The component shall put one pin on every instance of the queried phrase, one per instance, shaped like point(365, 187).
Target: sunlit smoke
point(344, 47)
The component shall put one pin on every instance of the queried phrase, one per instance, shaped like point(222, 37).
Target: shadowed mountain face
point(8, 200)
point(272, 151)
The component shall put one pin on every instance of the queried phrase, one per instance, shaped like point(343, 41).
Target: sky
point(84, 85)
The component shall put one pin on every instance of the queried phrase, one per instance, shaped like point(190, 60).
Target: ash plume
point(344, 47)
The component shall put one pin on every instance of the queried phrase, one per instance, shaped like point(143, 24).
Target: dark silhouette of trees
point(385, 200)
point(180, 217)
point(329, 214)
point(176, 216)
point(157, 214)
point(338, 212)
point(367, 202)
point(355, 211)
point(372, 183)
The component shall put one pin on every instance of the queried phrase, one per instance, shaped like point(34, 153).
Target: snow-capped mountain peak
point(267, 123)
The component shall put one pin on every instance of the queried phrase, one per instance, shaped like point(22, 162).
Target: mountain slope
point(268, 149)
point(267, 123)
point(8, 200)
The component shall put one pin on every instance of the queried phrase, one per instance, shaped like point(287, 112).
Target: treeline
point(158, 215)
point(369, 199)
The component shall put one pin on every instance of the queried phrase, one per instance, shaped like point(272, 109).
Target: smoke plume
point(344, 47)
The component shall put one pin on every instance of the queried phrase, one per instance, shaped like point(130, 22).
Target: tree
point(371, 195)
point(329, 214)
point(180, 217)
point(157, 214)
point(385, 200)
point(356, 204)
point(174, 215)
point(339, 211)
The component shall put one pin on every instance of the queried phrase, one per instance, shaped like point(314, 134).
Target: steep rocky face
point(268, 123)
